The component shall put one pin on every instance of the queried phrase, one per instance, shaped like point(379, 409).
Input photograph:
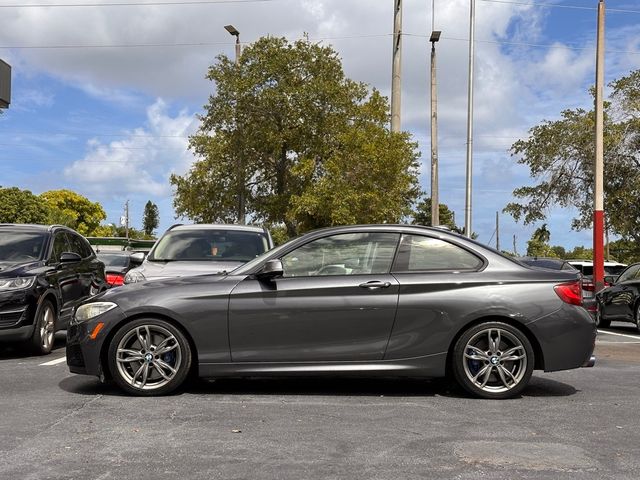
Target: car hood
point(12, 269)
point(160, 294)
point(173, 269)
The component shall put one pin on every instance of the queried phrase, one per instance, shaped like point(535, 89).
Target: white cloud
point(140, 163)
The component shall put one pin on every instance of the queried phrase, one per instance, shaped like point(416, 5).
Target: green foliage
point(422, 214)
point(560, 156)
point(151, 218)
point(289, 140)
point(21, 206)
point(625, 251)
point(73, 210)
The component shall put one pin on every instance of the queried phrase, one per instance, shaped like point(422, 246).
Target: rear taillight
point(588, 286)
point(115, 279)
point(570, 292)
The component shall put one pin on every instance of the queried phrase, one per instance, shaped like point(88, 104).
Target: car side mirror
point(271, 269)
point(69, 257)
point(136, 258)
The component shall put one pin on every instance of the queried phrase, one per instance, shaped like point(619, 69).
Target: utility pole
point(515, 251)
point(467, 208)
point(435, 201)
point(126, 220)
point(598, 208)
point(241, 180)
point(396, 66)
point(497, 232)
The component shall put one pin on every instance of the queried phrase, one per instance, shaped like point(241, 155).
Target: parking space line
point(54, 362)
point(636, 337)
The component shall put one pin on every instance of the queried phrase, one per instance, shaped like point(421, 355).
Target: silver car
point(186, 250)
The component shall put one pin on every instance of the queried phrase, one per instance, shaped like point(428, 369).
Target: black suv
point(45, 271)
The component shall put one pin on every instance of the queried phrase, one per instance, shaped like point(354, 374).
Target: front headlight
point(18, 283)
point(89, 310)
point(134, 276)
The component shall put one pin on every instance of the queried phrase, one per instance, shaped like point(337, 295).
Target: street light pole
point(396, 66)
point(467, 208)
point(435, 201)
point(598, 190)
point(241, 186)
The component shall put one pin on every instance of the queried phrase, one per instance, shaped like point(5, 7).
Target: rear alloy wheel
point(636, 316)
point(149, 357)
point(493, 360)
point(45, 326)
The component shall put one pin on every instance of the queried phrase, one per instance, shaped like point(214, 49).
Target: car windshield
point(113, 260)
point(209, 245)
point(21, 246)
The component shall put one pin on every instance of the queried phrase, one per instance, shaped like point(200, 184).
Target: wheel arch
point(104, 349)
point(537, 349)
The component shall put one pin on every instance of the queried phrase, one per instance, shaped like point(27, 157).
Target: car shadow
point(14, 350)
point(339, 387)
point(622, 327)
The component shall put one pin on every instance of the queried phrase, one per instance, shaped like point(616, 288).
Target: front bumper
point(83, 351)
point(17, 310)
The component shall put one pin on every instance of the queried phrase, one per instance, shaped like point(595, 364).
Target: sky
point(104, 98)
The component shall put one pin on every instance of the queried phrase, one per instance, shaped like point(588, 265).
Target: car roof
point(218, 226)
point(32, 227)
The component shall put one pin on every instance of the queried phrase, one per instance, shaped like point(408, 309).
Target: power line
point(559, 5)
point(131, 4)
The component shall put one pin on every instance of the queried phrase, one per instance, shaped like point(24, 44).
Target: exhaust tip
point(591, 362)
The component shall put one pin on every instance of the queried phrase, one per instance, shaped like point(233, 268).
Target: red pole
point(598, 190)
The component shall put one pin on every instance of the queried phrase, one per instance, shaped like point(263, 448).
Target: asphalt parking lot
point(581, 424)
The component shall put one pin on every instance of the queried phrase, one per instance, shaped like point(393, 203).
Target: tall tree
point(151, 218)
point(289, 140)
point(21, 206)
point(560, 156)
point(73, 210)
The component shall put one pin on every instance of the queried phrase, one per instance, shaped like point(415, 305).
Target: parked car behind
point(118, 263)
point(45, 271)
point(586, 268)
point(186, 250)
point(368, 300)
point(621, 300)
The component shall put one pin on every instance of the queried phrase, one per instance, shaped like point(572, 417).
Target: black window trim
point(480, 268)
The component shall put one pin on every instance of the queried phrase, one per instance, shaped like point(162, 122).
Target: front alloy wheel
point(637, 316)
point(44, 329)
point(493, 360)
point(149, 357)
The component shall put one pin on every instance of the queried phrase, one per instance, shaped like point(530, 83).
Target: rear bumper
point(567, 338)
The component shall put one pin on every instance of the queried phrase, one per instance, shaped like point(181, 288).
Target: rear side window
point(418, 253)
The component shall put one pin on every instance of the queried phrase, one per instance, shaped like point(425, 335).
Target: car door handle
point(374, 285)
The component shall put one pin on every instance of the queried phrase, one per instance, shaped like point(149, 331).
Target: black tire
point(44, 328)
point(136, 366)
point(601, 322)
point(636, 316)
point(493, 360)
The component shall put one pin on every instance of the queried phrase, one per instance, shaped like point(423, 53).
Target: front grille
point(11, 318)
point(74, 356)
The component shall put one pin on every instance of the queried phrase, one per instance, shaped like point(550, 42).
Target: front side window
point(78, 246)
point(209, 245)
point(21, 246)
point(418, 253)
point(343, 254)
point(60, 246)
point(629, 274)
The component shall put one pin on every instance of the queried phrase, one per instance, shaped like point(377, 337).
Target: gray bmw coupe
point(372, 300)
